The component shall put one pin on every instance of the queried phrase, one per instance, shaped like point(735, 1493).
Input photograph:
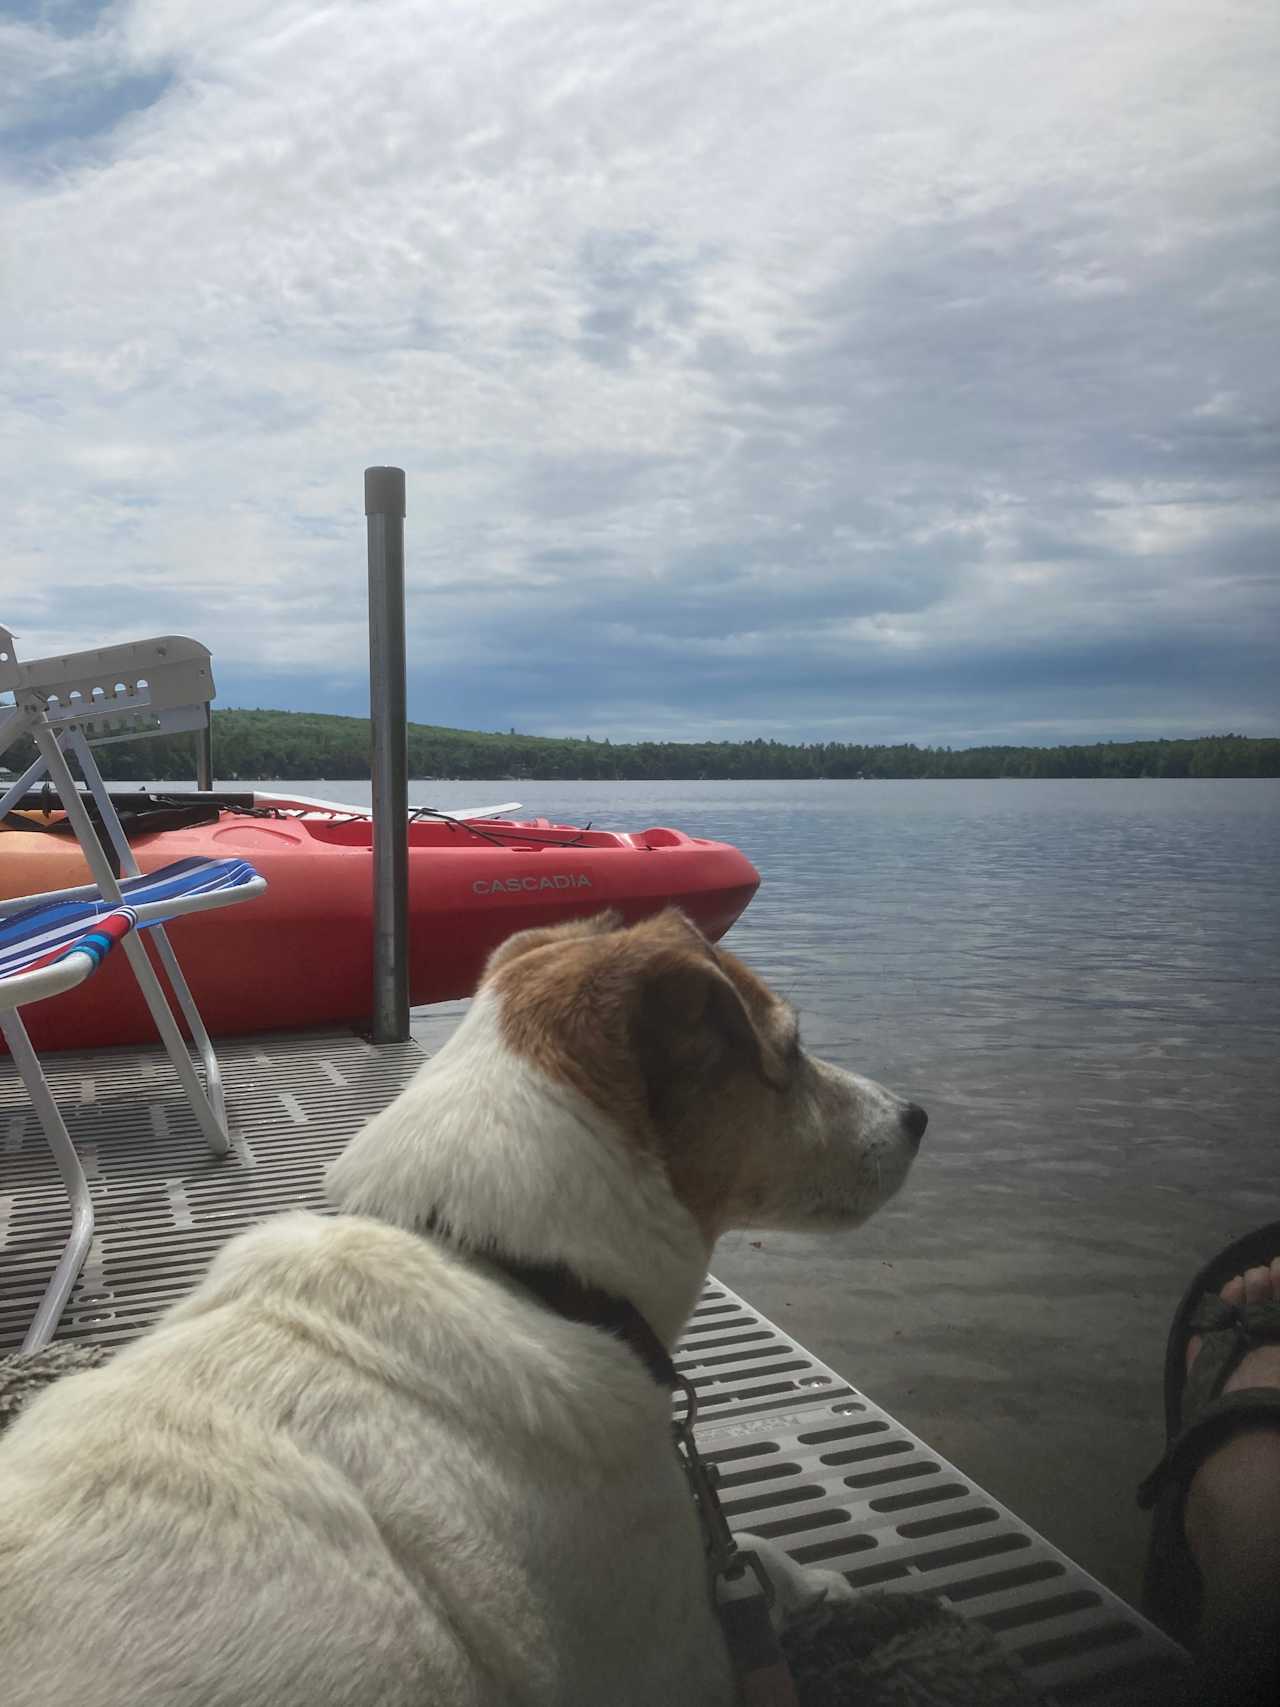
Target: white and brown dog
point(364, 1466)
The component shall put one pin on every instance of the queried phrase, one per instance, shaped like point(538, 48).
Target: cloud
point(887, 367)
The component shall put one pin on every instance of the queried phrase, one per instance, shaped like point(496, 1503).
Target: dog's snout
point(915, 1119)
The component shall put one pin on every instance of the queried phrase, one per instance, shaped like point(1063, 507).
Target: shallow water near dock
point(1081, 982)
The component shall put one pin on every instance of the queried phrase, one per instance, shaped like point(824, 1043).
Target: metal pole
point(384, 508)
point(204, 753)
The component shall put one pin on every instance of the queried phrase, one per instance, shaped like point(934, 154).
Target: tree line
point(295, 745)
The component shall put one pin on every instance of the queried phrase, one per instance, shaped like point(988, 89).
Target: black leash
point(738, 1583)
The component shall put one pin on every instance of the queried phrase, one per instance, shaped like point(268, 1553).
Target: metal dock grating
point(162, 1203)
point(813, 1464)
point(804, 1457)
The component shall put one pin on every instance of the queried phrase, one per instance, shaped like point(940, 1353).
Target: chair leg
point(210, 1106)
point(191, 1014)
point(214, 1129)
point(58, 1138)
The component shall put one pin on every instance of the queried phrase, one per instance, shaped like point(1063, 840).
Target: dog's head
point(701, 1065)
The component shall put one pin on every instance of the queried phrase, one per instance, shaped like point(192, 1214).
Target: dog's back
point(349, 1469)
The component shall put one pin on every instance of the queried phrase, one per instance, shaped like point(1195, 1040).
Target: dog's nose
point(915, 1119)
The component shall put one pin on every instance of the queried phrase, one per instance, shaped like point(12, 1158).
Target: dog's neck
point(485, 1144)
point(562, 1292)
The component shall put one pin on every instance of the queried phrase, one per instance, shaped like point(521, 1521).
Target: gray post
point(204, 752)
point(384, 508)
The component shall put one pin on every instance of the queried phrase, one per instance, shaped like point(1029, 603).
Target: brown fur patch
point(656, 1028)
point(523, 942)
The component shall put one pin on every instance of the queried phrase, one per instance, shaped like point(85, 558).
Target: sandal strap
point(1230, 1332)
point(1221, 1417)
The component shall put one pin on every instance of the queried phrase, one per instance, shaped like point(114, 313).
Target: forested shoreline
point(294, 745)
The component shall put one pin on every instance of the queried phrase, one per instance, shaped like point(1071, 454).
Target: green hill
point(302, 744)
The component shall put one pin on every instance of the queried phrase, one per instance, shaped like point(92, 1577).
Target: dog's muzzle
point(914, 1120)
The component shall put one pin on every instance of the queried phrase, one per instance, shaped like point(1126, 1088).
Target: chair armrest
point(46, 981)
point(39, 970)
point(158, 912)
point(15, 903)
point(148, 911)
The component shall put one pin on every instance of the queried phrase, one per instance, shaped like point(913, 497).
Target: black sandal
point(1198, 1417)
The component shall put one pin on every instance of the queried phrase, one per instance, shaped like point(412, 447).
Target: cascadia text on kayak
point(515, 885)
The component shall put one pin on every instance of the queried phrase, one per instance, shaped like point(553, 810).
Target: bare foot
point(1232, 1513)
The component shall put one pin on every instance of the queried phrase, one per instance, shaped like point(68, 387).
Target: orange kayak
point(301, 955)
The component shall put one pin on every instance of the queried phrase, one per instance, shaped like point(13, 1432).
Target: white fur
point(528, 1164)
point(356, 1468)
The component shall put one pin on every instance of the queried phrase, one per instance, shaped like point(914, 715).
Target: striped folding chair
point(51, 942)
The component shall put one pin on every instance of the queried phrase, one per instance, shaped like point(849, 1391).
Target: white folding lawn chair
point(53, 941)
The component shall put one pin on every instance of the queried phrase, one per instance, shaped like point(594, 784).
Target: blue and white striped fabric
point(95, 939)
point(186, 877)
point(43, 933)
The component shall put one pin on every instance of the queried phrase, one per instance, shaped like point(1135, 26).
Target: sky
point(898, 370)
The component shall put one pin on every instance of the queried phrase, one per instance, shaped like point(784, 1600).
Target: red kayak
point(301, 954)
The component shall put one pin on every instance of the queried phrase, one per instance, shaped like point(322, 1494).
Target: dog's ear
point(542, 936)
point(690, 1022)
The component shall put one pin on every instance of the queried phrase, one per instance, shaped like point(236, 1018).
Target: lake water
point(1070, 974)
point(1081, 982)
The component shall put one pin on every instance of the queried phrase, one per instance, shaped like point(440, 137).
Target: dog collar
point(554, 1285)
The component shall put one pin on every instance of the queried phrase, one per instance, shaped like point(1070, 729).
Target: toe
point(1254, 1286)
point(1193, 1350)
